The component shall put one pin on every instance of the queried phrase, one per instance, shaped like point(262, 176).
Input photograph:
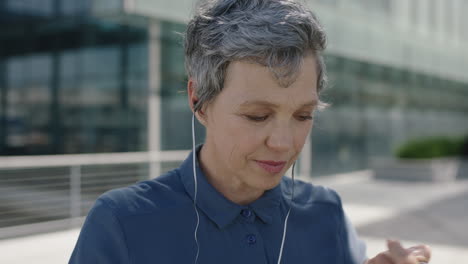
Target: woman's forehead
point(249, 71)
point(255, 83)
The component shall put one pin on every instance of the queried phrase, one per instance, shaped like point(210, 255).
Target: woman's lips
point(271, 166)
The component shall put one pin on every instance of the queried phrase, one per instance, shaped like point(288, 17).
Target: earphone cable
point(287, 216)
point(196, 188)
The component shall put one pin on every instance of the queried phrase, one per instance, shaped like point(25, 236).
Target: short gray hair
point(277, 34)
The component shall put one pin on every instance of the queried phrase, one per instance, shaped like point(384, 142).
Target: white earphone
point(196, 188)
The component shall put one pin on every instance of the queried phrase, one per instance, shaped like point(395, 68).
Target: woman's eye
point(306, 117)
point(257, 118)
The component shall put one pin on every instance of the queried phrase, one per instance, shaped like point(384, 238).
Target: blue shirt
point(154, 222)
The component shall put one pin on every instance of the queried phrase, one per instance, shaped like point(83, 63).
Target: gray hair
point(277, 34)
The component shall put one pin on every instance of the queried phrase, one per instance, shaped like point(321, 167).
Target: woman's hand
point(396, 254)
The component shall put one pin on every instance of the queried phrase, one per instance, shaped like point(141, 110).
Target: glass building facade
point(375, 108)
point(72, 82)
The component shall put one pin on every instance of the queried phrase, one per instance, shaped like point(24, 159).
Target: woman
point(255, 71)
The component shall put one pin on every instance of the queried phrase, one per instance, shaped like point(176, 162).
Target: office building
point(94, 76)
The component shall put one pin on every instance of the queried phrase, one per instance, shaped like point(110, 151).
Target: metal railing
point(46, 193)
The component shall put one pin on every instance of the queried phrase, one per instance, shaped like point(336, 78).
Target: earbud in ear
point(196, 106)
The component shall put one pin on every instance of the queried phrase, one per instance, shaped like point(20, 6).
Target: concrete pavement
point(432, 213)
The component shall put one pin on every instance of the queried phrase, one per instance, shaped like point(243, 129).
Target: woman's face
point(256, 128)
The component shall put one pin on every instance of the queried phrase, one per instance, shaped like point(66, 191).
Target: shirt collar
point(265, 206)
point(217, 207)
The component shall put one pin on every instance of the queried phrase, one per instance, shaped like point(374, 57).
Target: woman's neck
point(228, 185)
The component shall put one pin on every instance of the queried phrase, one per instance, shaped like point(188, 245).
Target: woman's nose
point(280, 138)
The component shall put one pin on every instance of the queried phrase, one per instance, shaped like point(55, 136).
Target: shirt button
point(246, 213)
point(251, 239)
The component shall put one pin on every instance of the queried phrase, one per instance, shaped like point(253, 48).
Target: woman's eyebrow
point(312, 103)
point(258, 103)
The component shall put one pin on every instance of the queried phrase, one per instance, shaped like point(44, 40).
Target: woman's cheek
point(301, 135)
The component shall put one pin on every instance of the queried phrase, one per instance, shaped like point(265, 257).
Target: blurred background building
point(106, 76)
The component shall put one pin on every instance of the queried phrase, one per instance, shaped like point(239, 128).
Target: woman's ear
point(193, 100)
point(192, 97)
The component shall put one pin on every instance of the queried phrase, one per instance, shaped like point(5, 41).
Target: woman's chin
point(270, 182)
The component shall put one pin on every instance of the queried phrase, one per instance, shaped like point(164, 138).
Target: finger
point(396, 250)
point(421, 252)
